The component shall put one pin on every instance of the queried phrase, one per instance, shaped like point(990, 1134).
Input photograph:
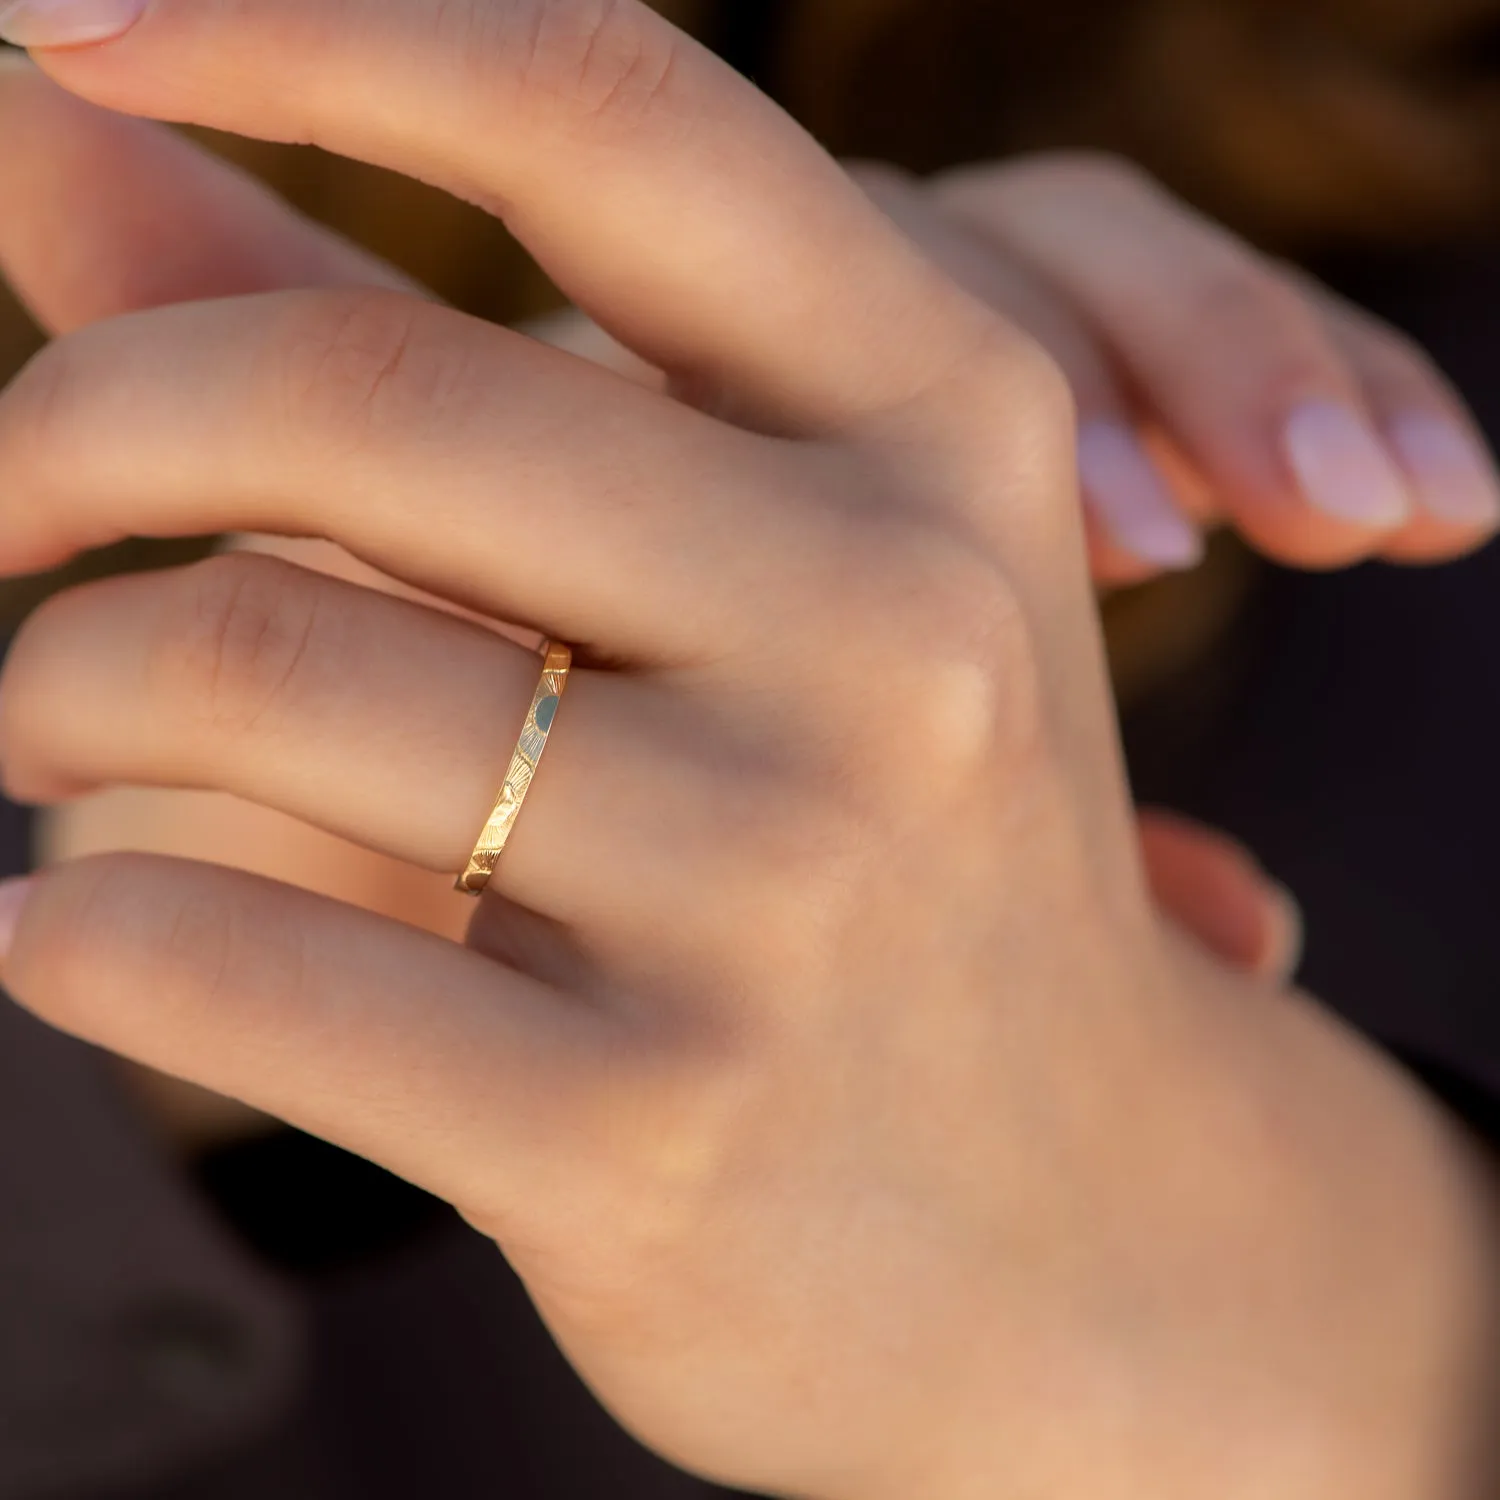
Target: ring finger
point(376, 718)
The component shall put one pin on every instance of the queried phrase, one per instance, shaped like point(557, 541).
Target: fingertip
point(1452, 475)
point(1130, 498)
point(1429, 543)
point(67, 23)
point(1343, 468)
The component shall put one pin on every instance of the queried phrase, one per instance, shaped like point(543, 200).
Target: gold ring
point(557, 661)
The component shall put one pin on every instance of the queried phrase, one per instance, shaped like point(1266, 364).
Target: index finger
point(667, 196)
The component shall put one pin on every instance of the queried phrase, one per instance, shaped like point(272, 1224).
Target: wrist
point(1390, 1209)
point(1309, 1309)
point(1338, 1335)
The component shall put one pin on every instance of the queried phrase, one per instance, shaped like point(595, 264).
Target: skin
point(1166, 323)
point(149, 220)
point(819, 1058)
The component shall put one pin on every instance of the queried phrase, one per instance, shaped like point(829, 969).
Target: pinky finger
point(407, 1049)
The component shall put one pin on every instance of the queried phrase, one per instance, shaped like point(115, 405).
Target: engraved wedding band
point(557, 660)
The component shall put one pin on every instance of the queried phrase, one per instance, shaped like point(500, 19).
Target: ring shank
point(557, 662)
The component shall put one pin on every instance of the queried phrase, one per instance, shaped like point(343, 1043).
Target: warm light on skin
point(851, 1114)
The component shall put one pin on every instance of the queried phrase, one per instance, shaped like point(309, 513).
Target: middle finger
point(464, 459)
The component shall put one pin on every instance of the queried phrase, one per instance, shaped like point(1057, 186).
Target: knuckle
point(228, 657)
point(601, 61)
point(1080, 173)
point(964, 657)
point(947, 673)
point(1012, 468)
point(1012, 370)
point(1040, 388)
point(1246, 307)
point(348, 363)
point(1393, 357)
point(1249, 298)
point(207, 950)
point(1091, 171)
point(1400, 358)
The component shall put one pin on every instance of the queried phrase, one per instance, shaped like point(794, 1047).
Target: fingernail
point(1453, 476)
point(13, 894)
point(1130, 498)
point(66, 23)
point(1287, 938)
point(1342, 467)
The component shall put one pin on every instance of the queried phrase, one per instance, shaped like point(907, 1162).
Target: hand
point(1192, 357)
point(818, 1059)
point(1212, 382)
point(150, 219)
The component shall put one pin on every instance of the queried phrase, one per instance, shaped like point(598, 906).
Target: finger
point(374, 718)
point(1214, 889)
point(396, 1044)
point(1446, 460)
point(147, 218)
point(1231, 358)
point(107, 215)
point(464, 459)
point(1136, 528)
point(228, 830)
point(604, 137)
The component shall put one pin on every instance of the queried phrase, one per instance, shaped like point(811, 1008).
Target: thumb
point(1212, 887)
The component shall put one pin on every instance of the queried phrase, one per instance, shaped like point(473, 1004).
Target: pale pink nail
point(66, 23)
point(13, 894)
point(1342, 467)
point(1130, 498)
point(1453, 476)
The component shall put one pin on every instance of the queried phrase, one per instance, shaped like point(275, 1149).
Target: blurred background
point(1359, 137)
